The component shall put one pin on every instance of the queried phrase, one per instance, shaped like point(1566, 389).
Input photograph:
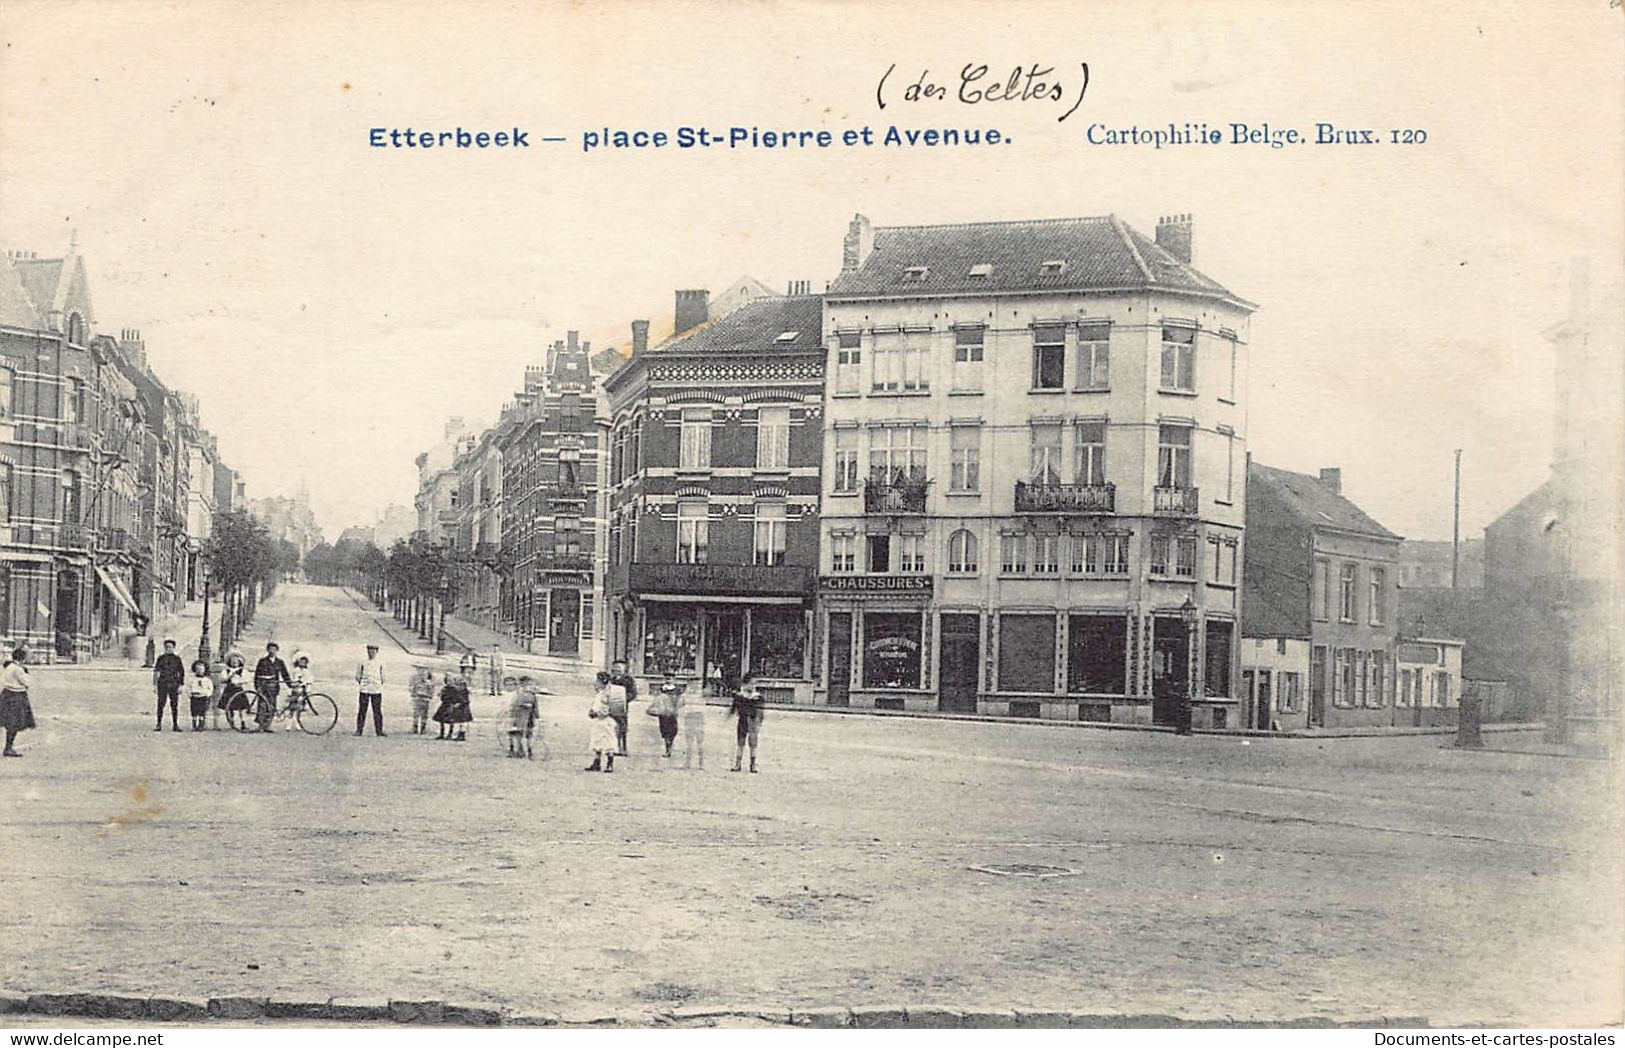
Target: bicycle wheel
point(242, 711)
point(317, 714)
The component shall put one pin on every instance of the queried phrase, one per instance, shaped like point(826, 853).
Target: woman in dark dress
point(454, 708)
point(16, 713)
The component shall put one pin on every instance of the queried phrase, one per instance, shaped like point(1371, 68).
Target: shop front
point(879, 641)
point(713, 625)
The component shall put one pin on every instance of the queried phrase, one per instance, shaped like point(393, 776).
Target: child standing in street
point(422, 691)
point(603, 738)
point(666, 706)
point(200, 689)
point(300, 679)
point(455, 710)
point(522, 716)
point(747, 706)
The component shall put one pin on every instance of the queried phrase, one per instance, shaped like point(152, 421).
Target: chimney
point(133, 348)
point(640, 336)
point(799, 287)
point(860, 241)
point(1174, 236)
point(571, 341)
point(693, 309)
point(1332, 478)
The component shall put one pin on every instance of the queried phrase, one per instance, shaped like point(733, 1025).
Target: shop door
point(66, 619)
point(564, 627)
point(958, 668)
point(1170, 657)
point(840, 658)
point(725, 646)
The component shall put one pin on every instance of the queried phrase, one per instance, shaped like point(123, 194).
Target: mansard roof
point(1100, 253)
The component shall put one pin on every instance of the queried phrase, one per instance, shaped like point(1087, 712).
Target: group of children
point(456, 710)
point(200, 690)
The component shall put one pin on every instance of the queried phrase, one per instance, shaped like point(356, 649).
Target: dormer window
point(787, 336)
point(915, 274)
point(980, 271)
point(1053, 268)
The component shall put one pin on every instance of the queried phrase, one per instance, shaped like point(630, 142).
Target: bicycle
point(314, 712)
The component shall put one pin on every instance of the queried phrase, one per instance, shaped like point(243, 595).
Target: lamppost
point(203, 640)
point(1189, 613)
point(440, 634)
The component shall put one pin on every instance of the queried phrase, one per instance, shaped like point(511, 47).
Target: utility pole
point(1455, 531)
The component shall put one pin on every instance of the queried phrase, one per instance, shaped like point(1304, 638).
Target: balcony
point(555, 561)
point(1175, 502)
point(566, 493)
point(114, 540)
point(74, 536)
point(76, 435)
point(1065, 498)
point(740, 580)
point(898, 496)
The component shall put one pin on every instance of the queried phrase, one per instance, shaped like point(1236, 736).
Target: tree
point(240, 555)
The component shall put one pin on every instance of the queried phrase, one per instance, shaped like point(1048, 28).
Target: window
point(965, 452)
point(1229, 465)
point(1094, 356)
point(891, 649)
point(843, 555)
point(1219, 636)
point(962, 553)
point(1185, 557)
point(71, 497)
point(1379, 679)
point(5, 600)
point(1089, 466)
point(911, 554)
point(695, 448)
point(879, 553)
point(1377, 577)
point(1222, 562)
point(1098, 660)
point(899, 363)
point(772, 438)
point(637, 445)
point(1086, 550)
point(1053, 268)
point(1179, 359)
point(778, 642)
point(1044, 462)
point(1322, 594)
point(916, 274)
point(1027, 656)
point(671, 639)
point(1160, 553)
point(846, 459)
point(1345, 592)
point(5, 392)
point(1049, 356)
point(693, 532)
point(968, 351)
point(1340, 682)
point(614, 545)
point(1173, 456)
point(5, 493)
point(1045, 550)
point(787, 336)
point(567, 535)
point(1013, 554)
point(569, 468)
point(73, 404)
point(848, 361)
point(897, 454)
point(1230, 340)
point(980, 271)
point(1288, 691)
point(770, 532)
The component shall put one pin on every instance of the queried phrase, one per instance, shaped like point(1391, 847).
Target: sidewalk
point(466, 636)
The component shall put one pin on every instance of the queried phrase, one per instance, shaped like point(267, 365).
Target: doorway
point(564, 625)
point(1170, 662)
point(724, 645)
point(840, 658)
point(959, 663)
point(1317, 687)
point(66, 620)
point(1262, 700)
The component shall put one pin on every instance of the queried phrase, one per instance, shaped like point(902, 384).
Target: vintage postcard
point(809, 514)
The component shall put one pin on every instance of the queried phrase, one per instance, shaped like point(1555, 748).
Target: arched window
point(5, 392)
point(76, 329)
point(5, 493)
point(962, 553)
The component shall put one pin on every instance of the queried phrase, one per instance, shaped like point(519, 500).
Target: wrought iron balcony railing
point(895, 496)
point(1065, 498)
point(1175, 501)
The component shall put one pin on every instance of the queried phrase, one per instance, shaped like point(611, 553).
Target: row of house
point(108, 483)
point(993, 468)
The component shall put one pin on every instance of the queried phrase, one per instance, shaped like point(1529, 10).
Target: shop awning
point(116, 588)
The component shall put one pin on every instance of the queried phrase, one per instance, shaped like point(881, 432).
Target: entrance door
point(1317, 687)
point(958, 666)
point(1170, 657)
point(66, 619)
point(840, 658)
point(724, 645)
point(1261, 702)
point(564, 625)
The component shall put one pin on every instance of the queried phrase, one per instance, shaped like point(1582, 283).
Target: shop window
point(778, 642)
point(891, 650)
point(1220, 638)
point(1097, 655)
point(1027, 653)
point(671, 639)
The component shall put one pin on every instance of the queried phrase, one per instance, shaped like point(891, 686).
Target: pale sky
point(331, 304)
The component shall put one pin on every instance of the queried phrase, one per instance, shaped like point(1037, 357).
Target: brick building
point(715, 445)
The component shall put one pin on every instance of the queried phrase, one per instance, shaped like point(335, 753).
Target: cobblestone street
point(1203, 877)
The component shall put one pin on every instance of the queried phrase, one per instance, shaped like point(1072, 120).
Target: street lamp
point(1189, 613)
point(203, 640)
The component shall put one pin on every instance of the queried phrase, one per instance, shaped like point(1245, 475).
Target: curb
point(431, 1012)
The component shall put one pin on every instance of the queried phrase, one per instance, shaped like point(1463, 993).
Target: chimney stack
point(133, 348)
point(571, 342)
point(1332, 478)
point(799, 287)
point(693, 309)
point(640, 336)
point(859, 242)
point(1174, 236)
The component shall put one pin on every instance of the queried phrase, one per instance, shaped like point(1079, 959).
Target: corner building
point(1034, 473)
